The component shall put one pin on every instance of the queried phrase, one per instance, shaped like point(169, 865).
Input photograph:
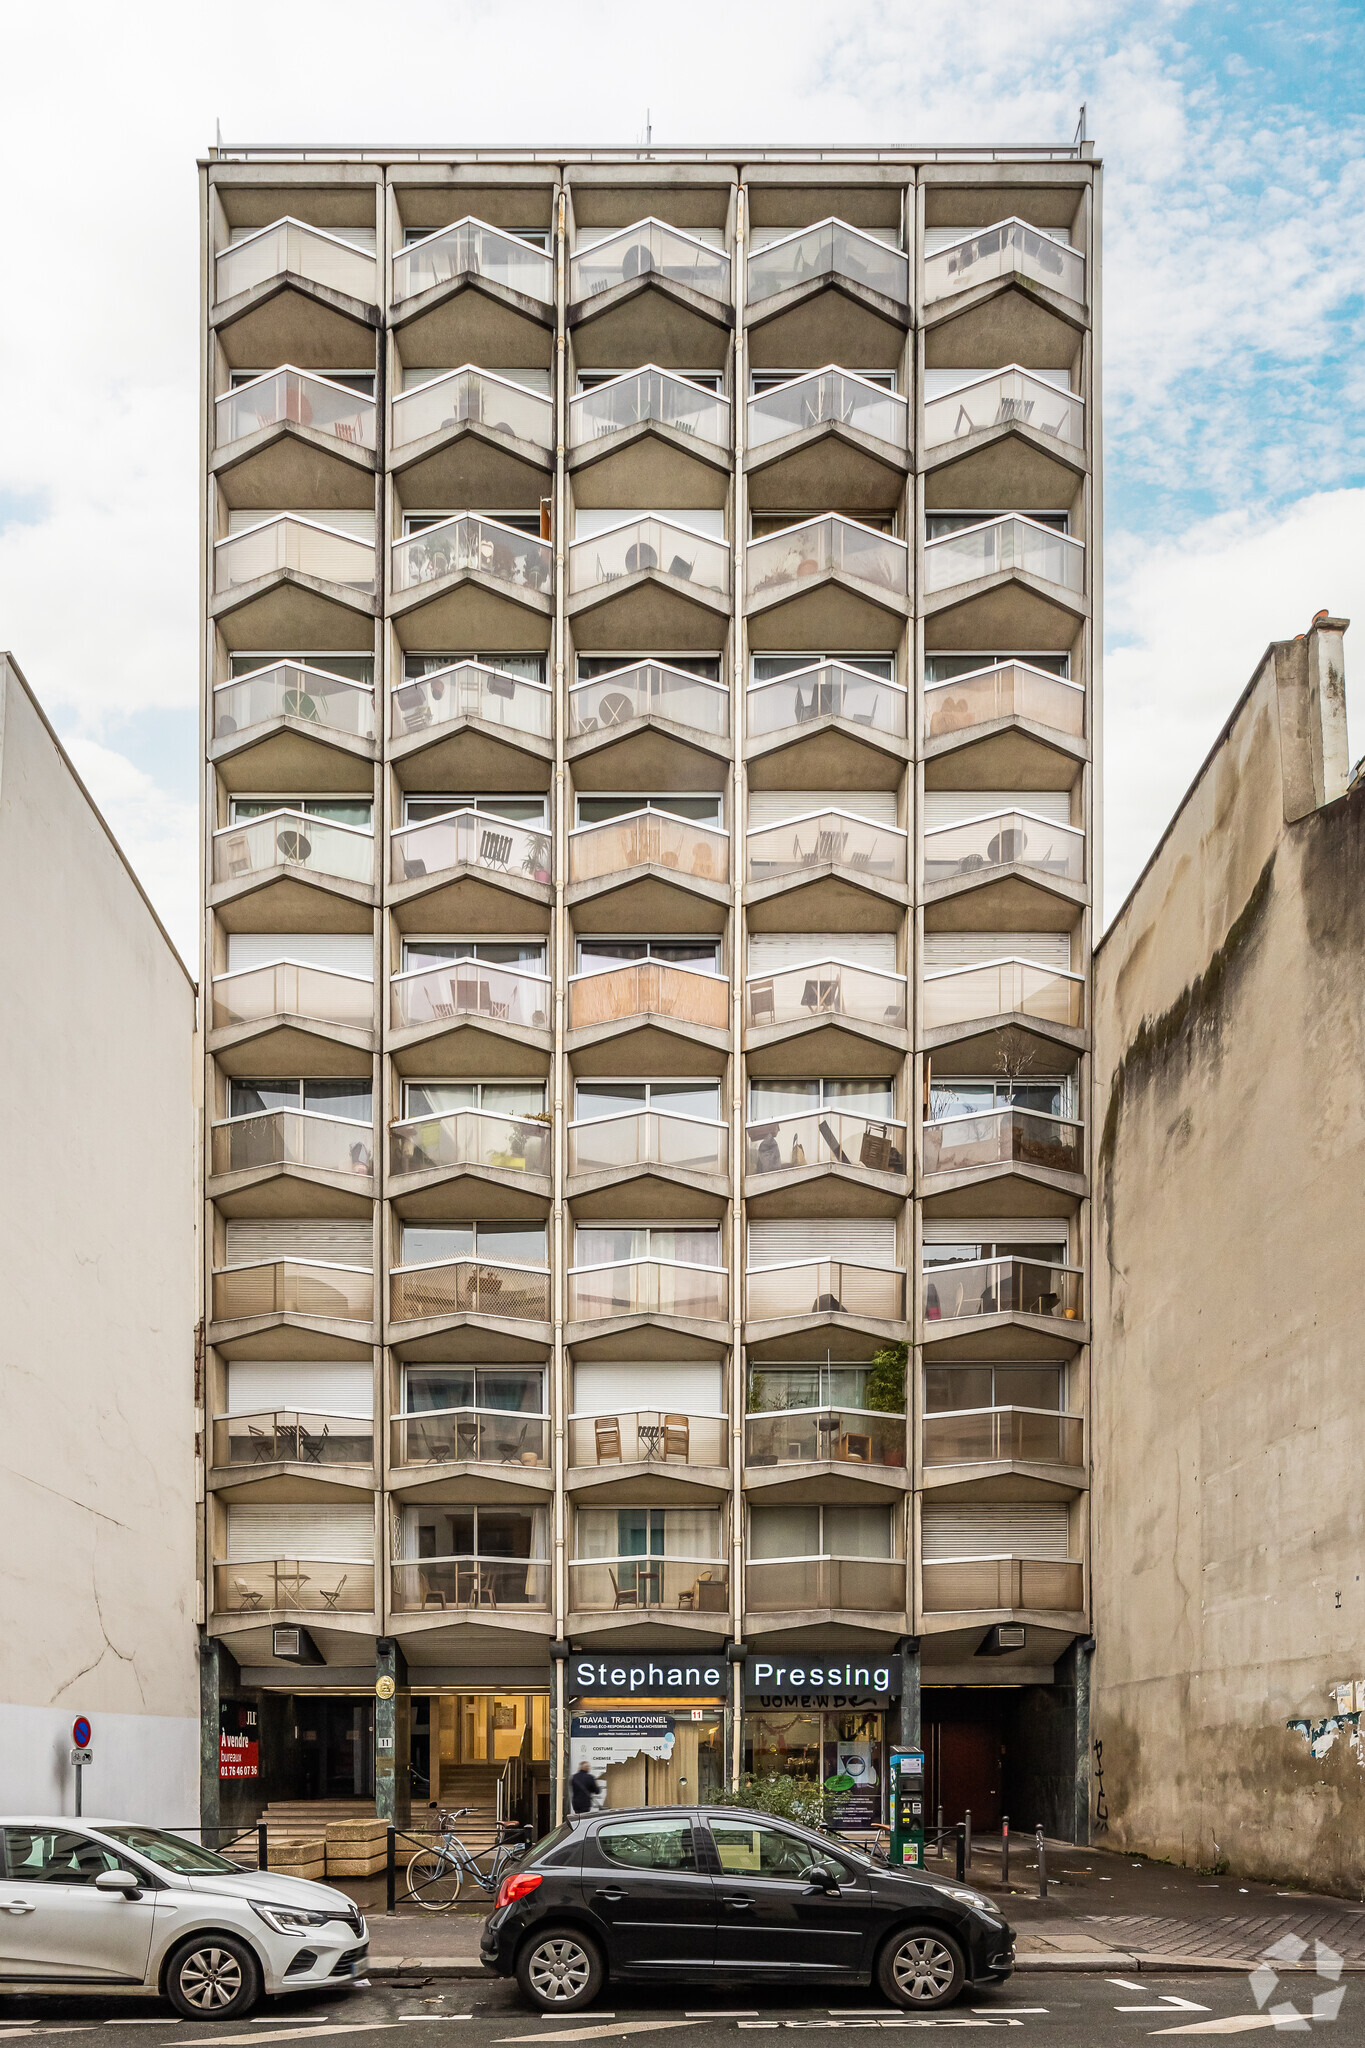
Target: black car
point(687, 1893)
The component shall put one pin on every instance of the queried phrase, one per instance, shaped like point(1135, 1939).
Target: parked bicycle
point(436, 1874)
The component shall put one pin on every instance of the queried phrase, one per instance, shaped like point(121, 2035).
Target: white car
point(106, 1904)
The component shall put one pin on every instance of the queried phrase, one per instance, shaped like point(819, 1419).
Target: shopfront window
point(844, 1753)
point(672, 1756)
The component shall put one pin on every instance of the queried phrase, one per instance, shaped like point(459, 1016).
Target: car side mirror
point(821, 1878)
point(124, 1881)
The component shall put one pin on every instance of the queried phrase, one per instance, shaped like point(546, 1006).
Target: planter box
point(356, 1848)
point(299, 1856)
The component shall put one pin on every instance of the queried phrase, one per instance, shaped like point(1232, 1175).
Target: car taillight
point(517, 1887)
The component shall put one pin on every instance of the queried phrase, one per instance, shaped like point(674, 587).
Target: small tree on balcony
point(884, 1388)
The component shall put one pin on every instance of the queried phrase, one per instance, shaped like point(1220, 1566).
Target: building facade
point(651, 694)
point(1229, 1439)
point(98, 1109)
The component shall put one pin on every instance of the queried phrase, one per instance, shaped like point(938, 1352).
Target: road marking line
point(1126, 1984)
point(1166, 2004)
point(1235, 2023)
point(993, 2010)
point(597, 2033)
point(741, 2012)
point(296, 2034)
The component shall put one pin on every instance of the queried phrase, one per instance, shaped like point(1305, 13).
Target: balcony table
point(290, 1584)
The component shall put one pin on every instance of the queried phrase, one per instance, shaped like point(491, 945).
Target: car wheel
point(213, 1977)
point(921, 1968)
point(560, 1970)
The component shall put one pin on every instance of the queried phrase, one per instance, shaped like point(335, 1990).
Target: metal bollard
point(262, 1846)
point(389, 1872)
point(960, 1833)
point(938, 1829)
point(1042, 1863)
point(967, 1841)
point(1005, 1850)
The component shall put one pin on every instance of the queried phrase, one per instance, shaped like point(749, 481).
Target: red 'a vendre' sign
point(239, 1751)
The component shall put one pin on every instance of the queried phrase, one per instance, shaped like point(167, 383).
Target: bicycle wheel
point(433, 1881)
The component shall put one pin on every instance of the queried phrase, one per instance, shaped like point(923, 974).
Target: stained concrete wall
point(1229, 1303)
point(97, 1279)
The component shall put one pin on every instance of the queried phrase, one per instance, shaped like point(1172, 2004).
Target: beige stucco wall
point(97, 1277)
point(1229, 1297)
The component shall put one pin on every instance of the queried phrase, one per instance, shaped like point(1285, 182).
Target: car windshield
point(172, 1852)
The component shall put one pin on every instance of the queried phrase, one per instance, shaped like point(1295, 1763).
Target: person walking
point(583, 1789)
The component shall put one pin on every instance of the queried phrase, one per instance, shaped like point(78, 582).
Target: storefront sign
point(239, 1750)
point(837, 1682)
point(598, 1740)
point(662, 1679)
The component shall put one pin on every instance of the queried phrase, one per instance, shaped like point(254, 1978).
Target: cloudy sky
point(1234, 299)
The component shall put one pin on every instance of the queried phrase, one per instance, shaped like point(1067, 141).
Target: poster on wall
point(599, 1740)
point(853, 1777)
point(239, 1749)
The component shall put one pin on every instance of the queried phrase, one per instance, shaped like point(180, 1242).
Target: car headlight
point(289, 1919)
point(966, 1897)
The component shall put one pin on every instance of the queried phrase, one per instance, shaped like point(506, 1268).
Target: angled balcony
point(439, 1289)
point(972, 849)
point(825, 1287)
point(293, 693)
point(649, 871)
point(830, 436)
point(649, 579)
point(475, 1139)
point(802, 1585)
point(830, 580)
point(273, 1586)
point(979, 1585)
point(471, 1436)
point(330, 417)
point(688, 425)
point(648, 1287)
point(861, 1437)
point(647, 1012)
point(1003, 1436)
point(1000, 1287)
point(1010, 400)
point(473, 398)
point(987, 698)
point(831, 717)
point(629, 716)
point(317, 1440)
point(1002, 988)
point(300, 1139)
point(828, 398)
point(829, 250)
point(648, 1137)
point(470, 251)
point(648, 1453)
point(469, 725)
point(505, 1012)
point(794, 1014)
point(464, 866)
point(1008, 249)
point(1004, 1137)
point(1009, 545)
point(833, 856)
point(649, 249)
point(270, 1020)
point(288, 844)
point(286, 579)
point(777, 1150)
point(486, 1586)
point(293, 1287)
point(291, 249)
point(465, 569)
point(688, 1588)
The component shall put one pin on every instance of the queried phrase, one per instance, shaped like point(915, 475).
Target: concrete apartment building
point(1230, 1182)
point(651, 691)
point(98, 1115)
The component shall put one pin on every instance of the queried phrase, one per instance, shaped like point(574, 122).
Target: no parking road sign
point(80, 1732)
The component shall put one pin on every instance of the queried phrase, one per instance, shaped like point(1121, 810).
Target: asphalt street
point(1037, 2009)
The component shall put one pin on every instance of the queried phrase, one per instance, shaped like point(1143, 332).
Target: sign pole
point(78, 1791)
point(81, 1752)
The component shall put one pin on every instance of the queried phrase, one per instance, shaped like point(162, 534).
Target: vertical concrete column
point(392, 1734)
point(909, 1736)
point(219, 1679)
point(1081, 1655)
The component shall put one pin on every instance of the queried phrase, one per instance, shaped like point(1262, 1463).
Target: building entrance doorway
point(335, 1747)
point(463, 1742)
point(965, 1754)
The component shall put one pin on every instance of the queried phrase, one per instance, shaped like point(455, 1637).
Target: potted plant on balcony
point(537, 859)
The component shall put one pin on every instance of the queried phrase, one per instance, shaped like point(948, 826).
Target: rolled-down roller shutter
point(953, 806)
point(995, 1529)
point(943, 950)
point(771, 952)
point(293, 1529)
point(786, 1240)
point(776, 806)
point(331, 1240)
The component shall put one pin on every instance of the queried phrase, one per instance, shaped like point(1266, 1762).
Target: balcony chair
point(762, 1003)
point(413, 868)
point(677, 1437)
point(607, 1430)
point(238, 857)
point(311, 1447)
point(262, 1444)
point(495, 849)
point(625, 1596)
point(432, 1596)
point(330, 1596)
point(248, 1599)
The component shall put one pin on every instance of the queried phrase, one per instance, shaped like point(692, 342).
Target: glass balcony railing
point(828, 689)
point(293, 839)
point(824, 396)
point(293, 1436)
point(299, 1287)
point(479, 1287)
point(290, 689)
point(300, 398)
point(477, 1582)
point(309, 1585)
point(652, 1287)
point(813, 1287)
point(470, 1137)
point(829, 249)
point(648, 1137)
point(839, 1436)
point(651, 1436)
point(469, 395)
point(966, 1585)
point(288, 988)
point(1004, 839)
point(470, 248)
point(649, 542)
point(291, 247)
point(1009, 689)
point(825, 988)
point(784, 1584)
point(307, 547)
point(828, 1137)
point(472, 839)
point(469, 988)
point(1009, 248)
point(785, 562)
point(293, 1137)
point(466, 689)
point(826, 839)
point(1005, 398)
point(648, 988)
point(649, 395)
point(695, 1585)
point(649, 689)
point(487, 1436)
point(985, 1436)
point(1002, 1286)
point(997, 988)
point(649, 839)
point(469, 544)
point(1002, 547)
point(1004, 1137)
point(650, 248)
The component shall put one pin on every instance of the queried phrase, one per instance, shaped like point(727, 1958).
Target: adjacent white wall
point(97, 1277)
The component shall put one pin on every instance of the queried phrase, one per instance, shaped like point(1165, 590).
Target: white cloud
point(1194, 615)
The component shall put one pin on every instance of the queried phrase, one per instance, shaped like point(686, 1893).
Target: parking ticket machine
point(907, 1807)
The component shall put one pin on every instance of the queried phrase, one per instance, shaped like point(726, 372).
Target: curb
point(427, 1966)
point(1164, 1965)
